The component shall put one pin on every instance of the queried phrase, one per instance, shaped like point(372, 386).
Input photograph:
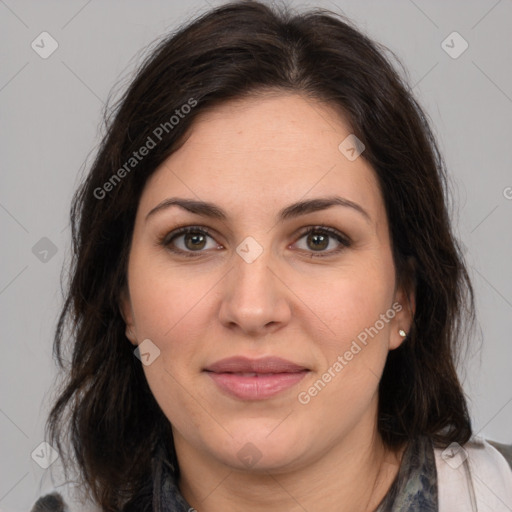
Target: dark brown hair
point(105, 408)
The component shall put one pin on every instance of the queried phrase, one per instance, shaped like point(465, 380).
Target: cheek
point(167, 307)
point(360, 314)
point(352, 356)
point(176, 397)
point(169, 311)
point(352, 300)
point(164, 298)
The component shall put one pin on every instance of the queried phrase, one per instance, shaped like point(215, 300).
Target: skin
point(253, 157)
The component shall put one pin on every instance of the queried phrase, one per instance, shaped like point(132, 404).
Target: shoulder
point(475, 476)
point(50, 503)
point(54, 502)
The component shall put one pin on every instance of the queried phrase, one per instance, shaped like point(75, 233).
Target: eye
point(189, 240)
point(320, 238)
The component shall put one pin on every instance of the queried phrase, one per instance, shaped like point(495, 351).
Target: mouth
point(255, 379)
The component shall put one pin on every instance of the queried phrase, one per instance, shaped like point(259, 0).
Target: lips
point(255, 379)
point(266, 365)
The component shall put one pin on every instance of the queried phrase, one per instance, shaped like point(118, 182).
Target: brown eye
point(318, 239)
point(194, 241)
point(189, 240)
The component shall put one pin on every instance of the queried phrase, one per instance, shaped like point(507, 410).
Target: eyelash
point(166, 240)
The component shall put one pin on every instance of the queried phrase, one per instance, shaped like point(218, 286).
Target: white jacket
point(473, 478)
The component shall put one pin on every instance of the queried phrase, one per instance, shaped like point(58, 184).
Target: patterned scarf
point(414, 488)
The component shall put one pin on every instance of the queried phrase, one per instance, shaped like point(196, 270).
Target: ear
point(125, 308)
point(404, 306)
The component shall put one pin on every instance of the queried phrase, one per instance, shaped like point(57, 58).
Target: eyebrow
point(294, 210)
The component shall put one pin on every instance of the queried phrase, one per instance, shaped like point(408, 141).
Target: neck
point(354, 475)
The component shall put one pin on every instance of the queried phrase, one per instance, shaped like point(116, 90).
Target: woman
point(267, 299)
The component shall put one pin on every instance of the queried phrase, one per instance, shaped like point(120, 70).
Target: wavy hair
point(104, 409)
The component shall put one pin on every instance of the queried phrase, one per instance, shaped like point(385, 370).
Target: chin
point(256, 447)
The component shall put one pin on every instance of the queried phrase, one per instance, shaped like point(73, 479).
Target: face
point(302, 296)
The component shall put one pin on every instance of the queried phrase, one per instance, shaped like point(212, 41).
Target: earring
point(402, 333)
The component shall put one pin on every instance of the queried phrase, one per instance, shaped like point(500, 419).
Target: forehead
point(262, 153)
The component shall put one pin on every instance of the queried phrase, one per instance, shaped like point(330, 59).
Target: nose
point(255, 300)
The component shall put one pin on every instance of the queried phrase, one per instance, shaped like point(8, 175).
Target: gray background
point(51, 114)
